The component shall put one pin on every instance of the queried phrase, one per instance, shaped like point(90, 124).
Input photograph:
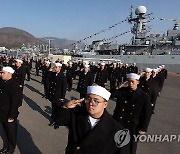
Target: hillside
point(14, 38)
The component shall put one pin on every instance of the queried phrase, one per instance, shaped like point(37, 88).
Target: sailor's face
point(95, 105)
point(153, 73)
point(5, 75)
point(102, 66)
point(132, 83)
point(57, 68)
point(18, 64)
point(147, 74)
point(86, 69)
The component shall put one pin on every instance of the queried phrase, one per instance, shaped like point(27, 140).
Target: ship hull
point(171, 62)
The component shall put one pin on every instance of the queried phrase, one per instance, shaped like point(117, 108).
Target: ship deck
point(35, 136)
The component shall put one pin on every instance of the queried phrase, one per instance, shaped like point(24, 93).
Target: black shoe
point(56, 126)
point(2, 151)
point(43, 96)
point(51, 124)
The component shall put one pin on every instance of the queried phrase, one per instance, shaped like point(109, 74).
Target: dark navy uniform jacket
point(9, 99)
point(101, 77)
point(20, 74)
point(58, 86)
point(150, 87)
point(85, 80)
point(133, 109)
point(84, 140)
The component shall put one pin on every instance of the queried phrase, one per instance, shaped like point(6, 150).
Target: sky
point(77, 19)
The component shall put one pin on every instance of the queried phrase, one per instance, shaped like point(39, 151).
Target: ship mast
point(139, 29)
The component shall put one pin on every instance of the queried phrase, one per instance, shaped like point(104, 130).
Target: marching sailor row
point(90, 125)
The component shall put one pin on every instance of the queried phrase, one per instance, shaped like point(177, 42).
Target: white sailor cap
point(147, 69)
point(87, 66)
point(85, 62)
point(58, 64)
point(102, 64)
point(160, 67)
point(154, 70)
point(70, 63)
point(100, 91)
point(48, 62)
point(133, 76)
point(93, 62)
point(8, 69)
point(163, 66)
point(19, 61)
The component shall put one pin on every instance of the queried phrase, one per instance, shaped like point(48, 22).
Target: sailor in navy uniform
point(69, 75)
point(163, 73)
point(85, 80)
point(120, 73)
point(91, 129)
point(46, 78)
point(9, 103)
point(37, 66)
point(101, 76)
point(149, 86)
point(133, 108)
point(93, 69)
point(161, 76)
point(126, 70)
point(20, 74)
point(28, 69)
point(57, 90)
point(113, 75)
point(133, 68)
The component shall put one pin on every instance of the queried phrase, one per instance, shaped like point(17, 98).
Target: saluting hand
point(73, 103)
point(121, 85)
point(141, 132)
point(10, 120)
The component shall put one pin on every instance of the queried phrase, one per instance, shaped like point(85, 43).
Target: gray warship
point(146, 50)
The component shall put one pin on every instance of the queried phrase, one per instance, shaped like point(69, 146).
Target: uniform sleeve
point(63, 117)
point(90, 80)
point(146, 114)
point(15, 97)
point(116, 114)
point(155, 93)
point(23, 75)
point(64, 87)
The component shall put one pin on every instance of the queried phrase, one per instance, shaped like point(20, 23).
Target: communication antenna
point(131, 13)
